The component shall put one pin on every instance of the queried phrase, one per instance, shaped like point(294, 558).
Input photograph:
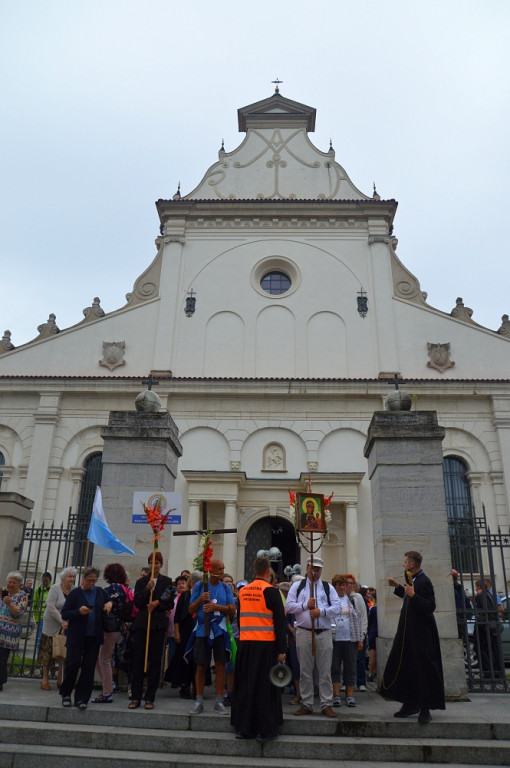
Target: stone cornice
point(275, 209)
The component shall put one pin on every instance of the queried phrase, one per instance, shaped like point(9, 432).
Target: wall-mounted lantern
point(362, 303)
point(189, 307)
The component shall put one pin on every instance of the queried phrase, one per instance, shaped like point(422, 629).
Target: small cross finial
point(151, 382)
point(395, 381)
point(277, 82)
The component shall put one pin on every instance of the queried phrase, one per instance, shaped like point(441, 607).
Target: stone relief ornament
point(274, 458)
point(504, 328)
point(462, 312)
point(94, 311)
point(235, 466)
point(313, 466)
point(439, 357)
point(113, 354)
point(48, 329)
point(5, 344)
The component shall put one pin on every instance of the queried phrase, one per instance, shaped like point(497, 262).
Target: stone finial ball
point(398, 401)
point(148, 402)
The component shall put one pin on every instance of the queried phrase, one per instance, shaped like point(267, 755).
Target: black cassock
point(256, 702)
point(414, 671)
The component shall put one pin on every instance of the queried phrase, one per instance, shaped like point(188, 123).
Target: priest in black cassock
point(256, 702)
point(414, 672)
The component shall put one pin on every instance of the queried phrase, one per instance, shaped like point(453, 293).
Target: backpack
point(324, 584)
point(126, 609)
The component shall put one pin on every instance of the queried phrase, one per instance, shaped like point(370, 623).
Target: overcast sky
point(107, 104)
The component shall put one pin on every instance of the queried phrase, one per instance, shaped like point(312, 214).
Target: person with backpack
point(122, 605)
point(314, 602)
point(348, 641)
point(217, 602)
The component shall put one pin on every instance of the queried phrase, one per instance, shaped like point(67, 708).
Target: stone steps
point(37, 732)
point(145, 743)
point(21, 756)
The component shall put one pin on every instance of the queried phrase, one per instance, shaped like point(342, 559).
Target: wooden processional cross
point(202, 532)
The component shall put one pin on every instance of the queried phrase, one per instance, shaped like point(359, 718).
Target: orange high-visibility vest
point(255, 620)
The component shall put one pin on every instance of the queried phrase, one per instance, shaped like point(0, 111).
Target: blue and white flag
point(99, 533)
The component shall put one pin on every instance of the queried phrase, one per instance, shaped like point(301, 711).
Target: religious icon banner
point(310, 512)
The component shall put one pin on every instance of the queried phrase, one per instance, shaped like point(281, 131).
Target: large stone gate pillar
point(405, 463)
point(140, 453)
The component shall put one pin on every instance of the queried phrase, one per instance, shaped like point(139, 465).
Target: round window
point(275, 283)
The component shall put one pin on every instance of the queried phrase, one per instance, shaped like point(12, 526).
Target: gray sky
point(107, 104)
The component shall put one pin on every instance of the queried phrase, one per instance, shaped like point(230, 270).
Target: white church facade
point(275, 315)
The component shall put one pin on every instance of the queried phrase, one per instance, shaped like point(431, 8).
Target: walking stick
point(312, 592)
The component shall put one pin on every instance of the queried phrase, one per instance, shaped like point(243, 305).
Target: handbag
point(59, 650)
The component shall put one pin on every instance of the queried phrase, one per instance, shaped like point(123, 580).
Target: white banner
point(168, 501)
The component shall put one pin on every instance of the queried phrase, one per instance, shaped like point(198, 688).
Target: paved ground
point(481, 707)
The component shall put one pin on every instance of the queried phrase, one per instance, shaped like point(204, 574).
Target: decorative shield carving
point(113, 354)
point(439, 356)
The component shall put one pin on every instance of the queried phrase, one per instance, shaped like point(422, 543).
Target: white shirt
point(297, 604)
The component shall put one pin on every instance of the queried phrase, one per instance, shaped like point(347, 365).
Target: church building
point(276, 316)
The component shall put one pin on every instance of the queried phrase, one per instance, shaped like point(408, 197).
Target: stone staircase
point(40, 736)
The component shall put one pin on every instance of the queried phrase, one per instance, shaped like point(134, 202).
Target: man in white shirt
point(312, 600)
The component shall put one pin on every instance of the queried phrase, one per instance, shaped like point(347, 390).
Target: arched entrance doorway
point(271, 532)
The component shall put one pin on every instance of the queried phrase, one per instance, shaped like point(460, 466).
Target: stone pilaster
point(351, 539)
point(15, 512)
point(229, 539)
point(409, 512)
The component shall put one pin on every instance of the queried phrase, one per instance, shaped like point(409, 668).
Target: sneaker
point(342, 687)
point(350, 701)
point(362, 687)
point(66, 702)
point(220, 708)
point(197, 708)
point(337, 702)
point(80, 705)
point(227, 701)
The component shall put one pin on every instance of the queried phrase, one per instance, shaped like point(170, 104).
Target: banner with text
point(168, 501)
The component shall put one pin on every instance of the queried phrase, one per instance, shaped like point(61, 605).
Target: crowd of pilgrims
point(105, 630)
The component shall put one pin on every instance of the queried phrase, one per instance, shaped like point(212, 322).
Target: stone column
point(140, 453)
point(15, 511)
point(409, 512)
point(230, 539)
point(193, 525)
point(351, 539)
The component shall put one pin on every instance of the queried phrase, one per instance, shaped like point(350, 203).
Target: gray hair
point(15, 575)
point(197, 576)
point(70, 571)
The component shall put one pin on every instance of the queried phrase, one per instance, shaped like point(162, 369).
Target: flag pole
point(149, 615)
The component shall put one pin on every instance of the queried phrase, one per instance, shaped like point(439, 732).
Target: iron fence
point(482, 601)
point(45, 549)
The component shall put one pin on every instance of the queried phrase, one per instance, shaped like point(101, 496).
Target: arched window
point(2, 462)
point(459, 510)
point(93, 466)
point(456, 487)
